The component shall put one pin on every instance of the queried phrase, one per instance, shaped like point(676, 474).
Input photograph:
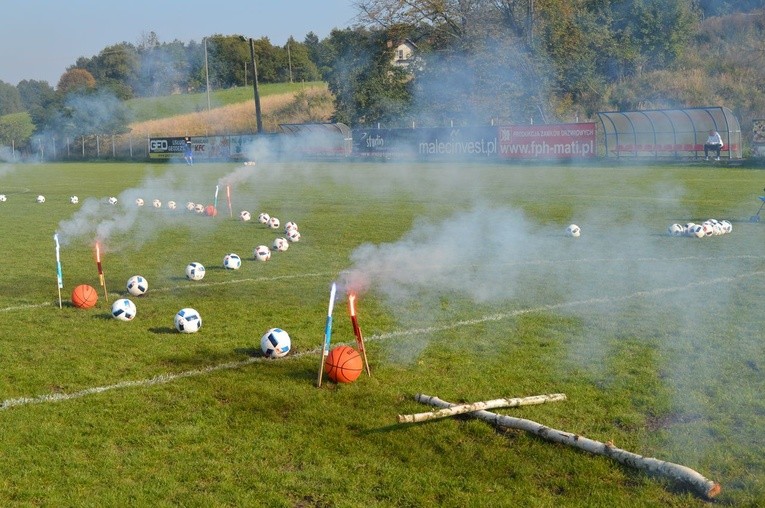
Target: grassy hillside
point(232, 110)
point(151, 108)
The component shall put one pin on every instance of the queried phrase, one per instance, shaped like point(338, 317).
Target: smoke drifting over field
point(98, 220)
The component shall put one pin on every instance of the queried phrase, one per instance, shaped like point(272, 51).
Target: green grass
point(152, 108)
point(473, 293)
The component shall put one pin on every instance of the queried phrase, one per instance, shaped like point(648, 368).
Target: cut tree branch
point(706, 488)
point(477, 406)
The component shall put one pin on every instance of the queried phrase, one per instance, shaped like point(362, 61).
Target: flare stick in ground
point(704, 487)
point(59, 273)
point(101, 279)
point(327, 332)
point(459, 409)
point(357, 330)
point(228, 198)
point(215, 200)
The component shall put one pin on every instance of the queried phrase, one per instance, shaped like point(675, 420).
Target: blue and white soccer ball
point(698, 231)
point(139, 202)
point(41, 199)
point(573, 230)
point(293, 235)
point(123, 309)
point(676, 230)
point(188, 320)
point(74, 200)
point(232, 261)
point(245, 216)
point(263, 218)
point(195, 271)
point(113, 200)
point(137, 285)
point(280, 244)
point(726, 225)
point(275, 343)
point(262, 253)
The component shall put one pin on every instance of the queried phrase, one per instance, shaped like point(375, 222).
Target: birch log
point(458, 409)
point(704, 487)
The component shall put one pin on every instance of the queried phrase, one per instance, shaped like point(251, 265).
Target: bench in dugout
point(685, 149)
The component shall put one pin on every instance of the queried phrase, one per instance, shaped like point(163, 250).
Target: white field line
point(168, 378)
point(195, 285)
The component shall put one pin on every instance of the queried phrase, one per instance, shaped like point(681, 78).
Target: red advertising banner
point(549, 141)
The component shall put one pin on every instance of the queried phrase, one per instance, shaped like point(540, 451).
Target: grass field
point(469, 290)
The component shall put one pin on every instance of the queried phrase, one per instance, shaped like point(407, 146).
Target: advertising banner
point(549, 141)
point(429, 143)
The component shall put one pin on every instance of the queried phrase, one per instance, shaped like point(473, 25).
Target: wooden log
point(704, 487)
point(459, 409)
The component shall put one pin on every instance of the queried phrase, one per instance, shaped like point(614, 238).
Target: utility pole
point(256, 93)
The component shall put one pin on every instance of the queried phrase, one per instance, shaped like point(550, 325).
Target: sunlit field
point(468, 289)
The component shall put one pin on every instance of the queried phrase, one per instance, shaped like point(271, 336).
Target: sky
point(41, 38)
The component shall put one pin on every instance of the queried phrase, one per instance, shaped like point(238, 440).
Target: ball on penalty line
point(275, 343)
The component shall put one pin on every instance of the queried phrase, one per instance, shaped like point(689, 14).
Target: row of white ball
point(275, 343)
point(710, 227)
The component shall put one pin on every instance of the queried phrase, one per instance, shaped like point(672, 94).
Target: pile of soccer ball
point(710, 227)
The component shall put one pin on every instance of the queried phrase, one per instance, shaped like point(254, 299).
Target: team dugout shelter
point(662, 133)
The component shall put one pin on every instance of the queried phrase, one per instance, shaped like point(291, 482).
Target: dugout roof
point(669, 132)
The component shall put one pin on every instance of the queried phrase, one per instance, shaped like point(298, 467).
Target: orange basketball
point(344, 364)
point(84, 296)
point(210, 211)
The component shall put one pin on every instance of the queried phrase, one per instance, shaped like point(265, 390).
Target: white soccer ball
point(290, 226)
point(262, 253)
point(698, 231)
point(3, 198)
point(573, 230)
point(199, 208)
point(191, 206)
point(293, 235)
point(707, 227)
point(245, 216)
point(689, 229)
point(139, 201)
point(273, 223)
point(172, 205)
point(156, 203)
point(123, 309)
point(232, 261)
point(74, 200)
point(676, 230)
point(41, 199)
point(137, 285)
point(112, 200)
point(726, 225)
point(275, 343)
point(263, 218)
point(195, 271)
point(188, 321)
point(280, 244)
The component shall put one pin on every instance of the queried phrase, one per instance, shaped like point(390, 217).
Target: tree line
point(476, 61)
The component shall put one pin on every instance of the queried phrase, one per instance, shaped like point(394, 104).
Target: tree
point(16, 129)
point(39, 99)
point(115, 68)
point(367, 88)
point(75, 80)
point(10, 100)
